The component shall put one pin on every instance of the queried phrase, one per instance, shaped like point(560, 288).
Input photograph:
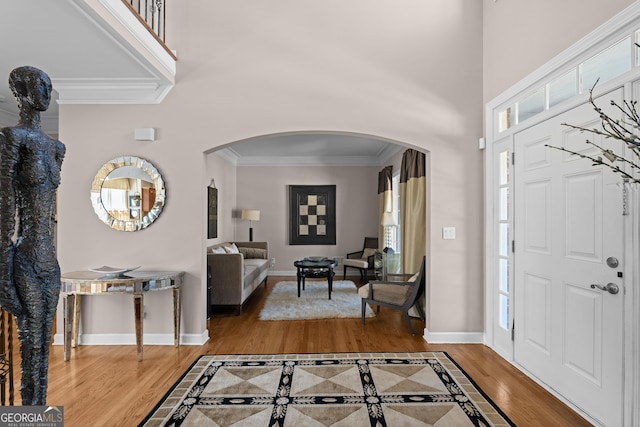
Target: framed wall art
point(312, 214)
point(212, 213)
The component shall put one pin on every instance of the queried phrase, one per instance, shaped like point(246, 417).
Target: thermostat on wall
point(145, 134)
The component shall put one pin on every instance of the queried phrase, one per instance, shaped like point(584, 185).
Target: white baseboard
point(338, 275)
point(453, 337)
point(282, 273)
point(130, 339)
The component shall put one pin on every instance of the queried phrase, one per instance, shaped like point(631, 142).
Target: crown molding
point(228, 154)
point(388, 152)
point(231, 156)
point(309, 161)
point(111, 91)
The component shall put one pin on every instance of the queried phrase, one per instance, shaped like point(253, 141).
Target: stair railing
point(152, 14)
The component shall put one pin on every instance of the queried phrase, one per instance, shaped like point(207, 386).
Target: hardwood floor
point(106, 386)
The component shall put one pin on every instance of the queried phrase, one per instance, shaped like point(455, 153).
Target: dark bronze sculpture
point(30, 164)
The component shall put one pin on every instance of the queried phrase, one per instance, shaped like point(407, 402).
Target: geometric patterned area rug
point(343, 389)
point(283, 303)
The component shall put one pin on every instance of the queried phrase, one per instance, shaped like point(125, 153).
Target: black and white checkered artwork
point(313, 215)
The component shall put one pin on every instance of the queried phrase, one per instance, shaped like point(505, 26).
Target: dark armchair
point(396, 295)
point(363, 259)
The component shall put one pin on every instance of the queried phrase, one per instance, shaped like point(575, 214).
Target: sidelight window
point(503, 239)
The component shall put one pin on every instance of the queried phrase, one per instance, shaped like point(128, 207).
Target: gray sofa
point(235, 270)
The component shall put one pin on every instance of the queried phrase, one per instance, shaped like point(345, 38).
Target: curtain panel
point(413, 185)
point(385, 200)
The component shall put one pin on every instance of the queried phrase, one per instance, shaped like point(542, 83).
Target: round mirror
point(128, 193)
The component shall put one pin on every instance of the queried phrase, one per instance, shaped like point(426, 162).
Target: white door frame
point(626, 22)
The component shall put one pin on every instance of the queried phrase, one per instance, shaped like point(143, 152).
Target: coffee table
point(315, 268)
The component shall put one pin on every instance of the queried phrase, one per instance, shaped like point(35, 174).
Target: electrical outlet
point(272, 262)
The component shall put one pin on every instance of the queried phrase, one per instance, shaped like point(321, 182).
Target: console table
point(79, 283)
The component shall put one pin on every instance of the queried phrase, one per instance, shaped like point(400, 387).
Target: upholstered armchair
point(401, 295)
point(363, 260)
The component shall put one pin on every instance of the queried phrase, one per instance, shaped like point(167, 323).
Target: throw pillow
point(249, 253)
point(231, 248)
point(218, 250)
point(368, 252)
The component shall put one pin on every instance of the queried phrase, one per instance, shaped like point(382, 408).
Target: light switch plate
point(448, 233)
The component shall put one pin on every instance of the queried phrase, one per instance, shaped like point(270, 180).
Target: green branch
point(613, 157)
point(622, 130)
point(598, 161)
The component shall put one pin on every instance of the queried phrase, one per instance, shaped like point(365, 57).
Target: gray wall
point(266, 188)
point(520, 35)
point(413, 74)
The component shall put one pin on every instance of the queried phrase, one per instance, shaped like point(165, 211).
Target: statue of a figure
point(30, 164)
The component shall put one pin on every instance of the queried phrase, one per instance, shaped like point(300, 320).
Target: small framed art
point(212, 213)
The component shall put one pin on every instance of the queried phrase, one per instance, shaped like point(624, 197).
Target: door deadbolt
point(612, 262)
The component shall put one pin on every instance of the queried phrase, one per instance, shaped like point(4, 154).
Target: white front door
point(568, 237)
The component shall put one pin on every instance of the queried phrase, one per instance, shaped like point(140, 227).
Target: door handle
point(612, 288)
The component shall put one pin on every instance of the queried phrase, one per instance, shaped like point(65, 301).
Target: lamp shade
point(388, 219)
point(251, 214)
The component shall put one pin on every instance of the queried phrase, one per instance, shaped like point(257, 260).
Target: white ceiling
point(95, 54)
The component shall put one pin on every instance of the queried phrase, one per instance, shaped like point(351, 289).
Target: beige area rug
point(350, 389)
point(314, 303)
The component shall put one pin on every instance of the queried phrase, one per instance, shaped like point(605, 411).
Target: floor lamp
point(251, 215)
